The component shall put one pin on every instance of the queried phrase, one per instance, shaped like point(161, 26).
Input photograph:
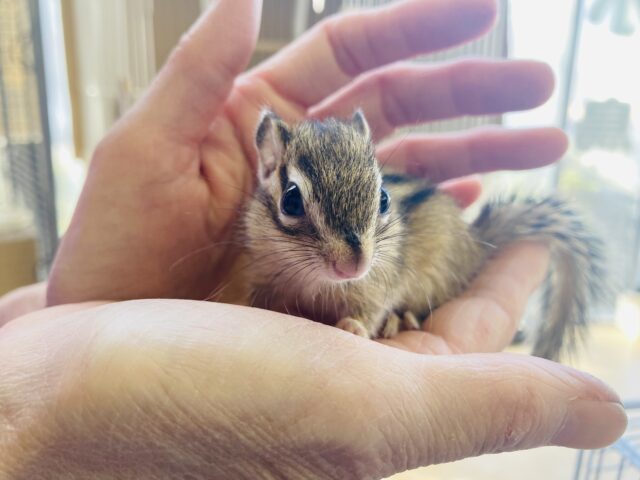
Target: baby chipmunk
point(334, 239)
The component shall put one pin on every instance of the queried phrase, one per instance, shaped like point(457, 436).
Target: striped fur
point(421, 252)
point(577, 275)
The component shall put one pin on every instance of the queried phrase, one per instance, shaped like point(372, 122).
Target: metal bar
point(589, 466)
point(300, 17)
point(52, 230)
point(567, 84)
point(7, 126)
point(620, 469)
point(576, 475)
point(599, 466)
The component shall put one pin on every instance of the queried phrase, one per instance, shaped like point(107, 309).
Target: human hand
point(157, 214)
point(172, 388)
point(22, 301)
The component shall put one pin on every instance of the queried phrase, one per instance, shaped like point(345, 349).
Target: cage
point(25, 153)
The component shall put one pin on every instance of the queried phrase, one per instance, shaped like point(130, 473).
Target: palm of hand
point(221, 391)
point(186, 196)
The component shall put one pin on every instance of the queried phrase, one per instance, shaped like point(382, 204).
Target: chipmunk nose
point(347, 269)
point(353, 264)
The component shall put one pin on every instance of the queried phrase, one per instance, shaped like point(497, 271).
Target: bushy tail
point(576, 275)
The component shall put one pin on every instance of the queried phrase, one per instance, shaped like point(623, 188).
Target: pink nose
point(346, 269)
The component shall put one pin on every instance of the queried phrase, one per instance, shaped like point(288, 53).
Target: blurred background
point(70, 68)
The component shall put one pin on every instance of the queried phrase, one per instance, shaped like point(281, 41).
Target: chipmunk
point(333, 239)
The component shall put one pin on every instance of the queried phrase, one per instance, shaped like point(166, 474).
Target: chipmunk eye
point(385, 201)
point(291, 202)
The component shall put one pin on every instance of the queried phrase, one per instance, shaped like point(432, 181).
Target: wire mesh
point(25, 151)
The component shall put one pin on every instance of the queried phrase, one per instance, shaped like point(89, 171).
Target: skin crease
point(178, 388)
point(159, 388)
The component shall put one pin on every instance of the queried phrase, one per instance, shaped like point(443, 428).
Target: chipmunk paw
point(354, 326)
point(391, 325)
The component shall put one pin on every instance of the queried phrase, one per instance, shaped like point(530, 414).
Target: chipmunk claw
point(410, 321)
point(391, 325)
point(397, 322)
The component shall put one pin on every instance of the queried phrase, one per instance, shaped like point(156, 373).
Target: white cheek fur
point(287, 220)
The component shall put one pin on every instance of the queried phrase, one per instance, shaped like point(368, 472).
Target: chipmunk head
point(321, 189)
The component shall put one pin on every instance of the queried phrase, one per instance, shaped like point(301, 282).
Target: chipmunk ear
point(272, 138)
point(360, 123)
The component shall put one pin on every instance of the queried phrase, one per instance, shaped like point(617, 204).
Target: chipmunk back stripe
point(396, 178)
point(417, 198)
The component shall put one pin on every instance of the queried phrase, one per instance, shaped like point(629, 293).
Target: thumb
point(456, 407)
point(199, 74)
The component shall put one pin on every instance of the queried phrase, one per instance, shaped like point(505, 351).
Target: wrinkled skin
point(177, 388)
point(162, 388)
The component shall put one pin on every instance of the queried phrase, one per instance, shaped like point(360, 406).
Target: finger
point(453, 407)
point(424, 343)
point(408, 93)
point(465, 191)
point(442, 157)
point(22, 301)
point(486, 317)
point(336, 51)
point(199, 74)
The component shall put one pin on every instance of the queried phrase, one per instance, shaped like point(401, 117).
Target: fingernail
point(591, 424)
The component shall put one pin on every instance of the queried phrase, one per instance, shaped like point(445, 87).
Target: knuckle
point(396, 106)
point(182, 57)
point(205, 76)
point(345, 54)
